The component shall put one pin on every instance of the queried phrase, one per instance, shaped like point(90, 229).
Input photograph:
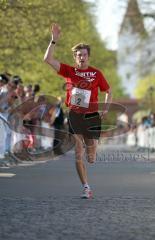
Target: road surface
point(42, 201)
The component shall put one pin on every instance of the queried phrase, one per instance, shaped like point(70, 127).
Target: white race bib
point(80, 97)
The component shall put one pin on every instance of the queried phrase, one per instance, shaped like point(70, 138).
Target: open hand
point(55, 31)
point(103, 114)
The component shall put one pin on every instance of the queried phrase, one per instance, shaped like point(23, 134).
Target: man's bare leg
point(91, 149)
point(81, 168)
point(79, 154)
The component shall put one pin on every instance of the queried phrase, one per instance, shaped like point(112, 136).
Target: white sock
point(85, 185)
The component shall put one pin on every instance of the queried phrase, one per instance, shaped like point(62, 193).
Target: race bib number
point(80, 97)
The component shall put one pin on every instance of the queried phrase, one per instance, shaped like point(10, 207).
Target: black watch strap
point(53, 42)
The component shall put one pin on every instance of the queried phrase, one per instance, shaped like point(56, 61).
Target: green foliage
point(145, 91)
point(25, 34)
point(143, 86)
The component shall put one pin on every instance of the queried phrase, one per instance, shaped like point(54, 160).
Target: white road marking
point(7, 174)
point(27, 163)
point(5, 167)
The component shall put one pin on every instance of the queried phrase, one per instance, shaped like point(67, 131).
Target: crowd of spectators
point(139, 132)
point(23, 110)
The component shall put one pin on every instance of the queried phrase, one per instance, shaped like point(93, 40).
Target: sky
point(109, 15)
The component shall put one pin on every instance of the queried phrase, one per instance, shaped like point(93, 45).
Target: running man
point(82, 83)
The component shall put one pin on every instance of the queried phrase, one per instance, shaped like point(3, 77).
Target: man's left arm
point(108, 100)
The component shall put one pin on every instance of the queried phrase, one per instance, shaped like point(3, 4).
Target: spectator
point(146, 121)
point(7, 99)
point(17, 79)
point(3, 83)
point(20, 93)
point(58, 125)
point(36, 89)
point(28, 91)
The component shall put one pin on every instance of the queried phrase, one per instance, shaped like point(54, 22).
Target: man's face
point(81, 58)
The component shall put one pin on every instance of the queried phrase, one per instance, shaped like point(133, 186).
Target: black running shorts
point(89, 125)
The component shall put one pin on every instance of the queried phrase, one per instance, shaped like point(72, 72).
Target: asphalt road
point(42, 201)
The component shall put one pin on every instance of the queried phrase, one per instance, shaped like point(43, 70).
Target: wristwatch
point(53, 42)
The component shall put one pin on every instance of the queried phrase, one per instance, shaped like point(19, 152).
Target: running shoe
point(87, 193)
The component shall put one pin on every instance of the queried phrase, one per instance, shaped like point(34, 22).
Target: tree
point(143, 86)
point(146, 92)
point(25, 35)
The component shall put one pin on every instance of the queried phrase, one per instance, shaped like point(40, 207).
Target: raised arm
point(49, 54)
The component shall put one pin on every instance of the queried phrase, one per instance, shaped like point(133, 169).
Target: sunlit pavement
point(42, 201)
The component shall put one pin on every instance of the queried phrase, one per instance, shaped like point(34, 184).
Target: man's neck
point(82, 68)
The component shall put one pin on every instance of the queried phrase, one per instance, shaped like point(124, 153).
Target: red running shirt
point(82, 87)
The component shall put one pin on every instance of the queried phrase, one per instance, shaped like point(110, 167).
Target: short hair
point(4, 79)
point(80, 46)
point(17, 79)
point(36, 88)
